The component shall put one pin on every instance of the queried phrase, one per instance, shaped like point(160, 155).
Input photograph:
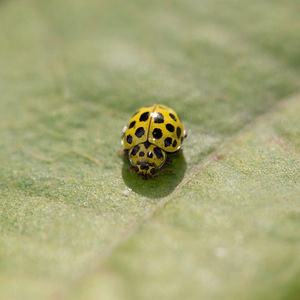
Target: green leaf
point(75, 223)
point(230, 231)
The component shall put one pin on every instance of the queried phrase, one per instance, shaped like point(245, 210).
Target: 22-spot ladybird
point(149, 136)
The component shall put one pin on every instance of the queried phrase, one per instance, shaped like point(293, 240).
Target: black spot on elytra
point(174, 143)
point(135, 150)
point(131, 124)
point(144, 116)
point(140, 132)
point(142, 153)
point(129, 139)
point(158, 153)
point(157, 134)
point(147, 144)
point(178, 132)
point(137, 169)
point(170, 127)
point(159, 118)
point(150, 154)
point(168, 141)
point(173, 117)
point(152, 171)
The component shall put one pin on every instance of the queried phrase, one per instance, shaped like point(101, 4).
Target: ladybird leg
point(131, 168)
point(167, 171)
point(145, 177)
point(168, 161)
point(154, 176)
point(185, 134)
point(123, 152)
point(178, 150)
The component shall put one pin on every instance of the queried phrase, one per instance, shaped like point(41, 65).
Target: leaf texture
point(75, 223)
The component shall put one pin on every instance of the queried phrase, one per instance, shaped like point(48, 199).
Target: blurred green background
point(75, 223)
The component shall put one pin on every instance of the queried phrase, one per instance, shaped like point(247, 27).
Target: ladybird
point(152, 133)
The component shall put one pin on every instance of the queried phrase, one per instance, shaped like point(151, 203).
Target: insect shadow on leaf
point(165, 181)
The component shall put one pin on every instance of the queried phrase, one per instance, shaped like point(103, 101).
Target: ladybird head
point(146, 158)
point(145, 169)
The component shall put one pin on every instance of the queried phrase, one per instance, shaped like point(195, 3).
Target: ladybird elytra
point(150, 134)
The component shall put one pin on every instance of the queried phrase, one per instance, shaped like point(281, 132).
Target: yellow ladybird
point(150, 134)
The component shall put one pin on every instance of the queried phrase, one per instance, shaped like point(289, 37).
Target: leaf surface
point(72, 215)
